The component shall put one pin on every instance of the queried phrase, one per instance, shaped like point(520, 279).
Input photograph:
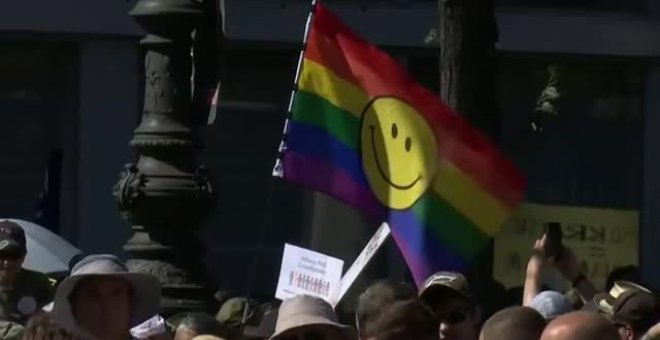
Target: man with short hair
point(580, 326)
point(632, 308)
point(405, 319)
point(375, 300)
point(23, 292)
point(194, 324)
point(448, 296)
point(513, 323)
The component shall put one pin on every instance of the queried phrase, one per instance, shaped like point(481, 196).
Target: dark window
point(606, 5)
point(590, 152)
point(38, 100)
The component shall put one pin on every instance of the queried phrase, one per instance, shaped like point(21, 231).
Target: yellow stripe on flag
point(321, 81)
point(468, 198)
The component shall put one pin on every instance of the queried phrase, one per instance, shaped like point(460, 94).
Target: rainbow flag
point(362, 130)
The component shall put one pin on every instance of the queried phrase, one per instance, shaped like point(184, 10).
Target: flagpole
point(278, 170)
point(310, 17)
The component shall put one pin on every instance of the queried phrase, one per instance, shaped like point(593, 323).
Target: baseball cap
point(12, 238)
point(445, 282)
point(550, 304)
point(630, 304)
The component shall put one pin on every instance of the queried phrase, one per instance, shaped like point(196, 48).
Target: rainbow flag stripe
point(474, 190)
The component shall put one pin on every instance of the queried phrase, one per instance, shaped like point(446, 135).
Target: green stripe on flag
point(456, 231)
point(312, 109)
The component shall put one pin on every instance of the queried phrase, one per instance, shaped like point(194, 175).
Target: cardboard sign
point(363, 259)
point(306, 272)
point(602, 240)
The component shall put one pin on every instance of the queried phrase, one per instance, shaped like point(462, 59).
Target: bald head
point(513, 323)
point(580, 326)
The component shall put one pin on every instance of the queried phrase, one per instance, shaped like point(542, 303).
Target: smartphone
point(553, 246)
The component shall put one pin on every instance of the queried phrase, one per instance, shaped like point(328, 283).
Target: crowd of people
point(101, 300)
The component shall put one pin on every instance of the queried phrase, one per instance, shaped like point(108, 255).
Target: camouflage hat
point(231, 312)
point(12, 237)
point(11, 330)
point(445, 282)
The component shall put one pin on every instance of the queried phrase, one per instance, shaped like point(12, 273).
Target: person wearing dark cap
point(632, 308)
point(448, 295)
point(22, 292)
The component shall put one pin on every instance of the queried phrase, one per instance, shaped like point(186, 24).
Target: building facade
point(70, 83)
point(599, 152)
point(69, 97)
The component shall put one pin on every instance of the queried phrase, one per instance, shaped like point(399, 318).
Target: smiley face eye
point(408, 144)
point(395, 131)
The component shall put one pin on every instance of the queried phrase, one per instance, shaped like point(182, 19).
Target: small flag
point(362, 130)
point(213, 105)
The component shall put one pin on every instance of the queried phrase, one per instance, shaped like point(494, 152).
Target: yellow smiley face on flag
point(399, 152)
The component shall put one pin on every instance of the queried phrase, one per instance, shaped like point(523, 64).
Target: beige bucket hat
point(146, 289)
point(303, 311)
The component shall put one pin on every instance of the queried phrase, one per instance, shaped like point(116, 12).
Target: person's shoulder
point(34, 275)
point(34, 278)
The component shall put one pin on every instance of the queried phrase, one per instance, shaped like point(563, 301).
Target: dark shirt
point(32, 290)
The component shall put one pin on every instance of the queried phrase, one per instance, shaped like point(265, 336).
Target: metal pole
point(166, 195)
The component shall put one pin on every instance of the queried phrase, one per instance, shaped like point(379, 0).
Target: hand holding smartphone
point(553, 245)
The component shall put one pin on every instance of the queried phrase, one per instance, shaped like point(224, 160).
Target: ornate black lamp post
point(166, 194)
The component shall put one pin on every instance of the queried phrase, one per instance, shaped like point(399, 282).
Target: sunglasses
point(452, 317)
point(306, 335)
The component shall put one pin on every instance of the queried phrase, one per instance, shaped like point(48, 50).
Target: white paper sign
point(362, 260)
point(306, 272)
point(149, 328)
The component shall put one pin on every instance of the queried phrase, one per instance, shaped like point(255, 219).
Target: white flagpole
point(278, 170)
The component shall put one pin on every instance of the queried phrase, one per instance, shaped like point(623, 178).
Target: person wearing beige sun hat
point(309, 318)
point(102, 300)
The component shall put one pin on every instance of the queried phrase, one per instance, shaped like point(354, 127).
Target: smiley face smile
point(399, 152)
point(380, 168)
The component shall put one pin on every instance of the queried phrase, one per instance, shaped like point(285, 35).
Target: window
point(590, 153)
point(607, 5)
point(38, 99)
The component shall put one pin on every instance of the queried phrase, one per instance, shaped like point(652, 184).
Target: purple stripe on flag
point(423, 250)
point(321, 175)
point(416, 263)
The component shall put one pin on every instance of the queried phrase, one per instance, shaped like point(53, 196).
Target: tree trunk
point(468, 32)
point(468, 69)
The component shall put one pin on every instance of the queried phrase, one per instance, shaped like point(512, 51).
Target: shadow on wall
point(240, 152)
